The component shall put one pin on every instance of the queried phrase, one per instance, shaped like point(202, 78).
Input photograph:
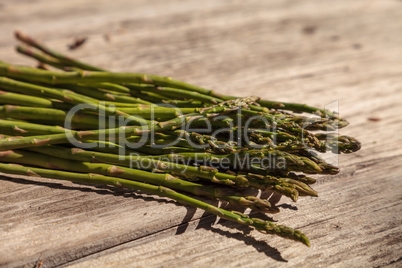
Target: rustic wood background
point(318, 52)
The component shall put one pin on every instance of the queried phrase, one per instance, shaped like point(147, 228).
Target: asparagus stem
point(260, 225)
point(335, 122)
point(276, 133)
point(295, 107)
point(120, 132)
point(140, 162)
point(50, 77)
point(265, 103)
point(280, 185)
point(45, 161)
point(176, 93)
point(109, 86)
point(32, 42)
point(20, 99)
point(43, 58)
point(17, 128)
point(56, 63)
point(65, 96)
point(100, 95)
point(69, 61)
point(149, 96)
point(185, 103)
point(276, 160)
point(79, 120)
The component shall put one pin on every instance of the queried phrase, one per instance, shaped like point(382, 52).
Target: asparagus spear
point(109, 86)
point(307, 165)
point(184, 103)
point(307, 123)
point(32, 42)
point(32, 74)
point(65, 96)
point(120, 132)
point(56, 63)
point(43, 58)
point(290, 136)
point(287, 184)
point(295, 107)
point(280, 185)
point(149, 96)
point(21, 99)
point(266, 227)
point(331, 124)
point(176, 93)
point(265, 103)
point(95, 92)
point(79, 120)
point(167, 180)
point(23, 113)
point(12, 127)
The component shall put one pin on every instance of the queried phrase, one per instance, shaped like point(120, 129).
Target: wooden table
point(345, 54)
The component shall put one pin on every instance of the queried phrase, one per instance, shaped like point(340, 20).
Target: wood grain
point(339, 53)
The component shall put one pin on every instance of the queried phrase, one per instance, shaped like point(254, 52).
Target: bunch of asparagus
point(161, 136)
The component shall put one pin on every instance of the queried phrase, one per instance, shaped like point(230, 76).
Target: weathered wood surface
point(317, 52)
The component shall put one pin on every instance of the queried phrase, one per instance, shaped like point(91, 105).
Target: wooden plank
point(304, 51)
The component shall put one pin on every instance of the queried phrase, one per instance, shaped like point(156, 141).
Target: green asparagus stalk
point(30, 41)
point(47, 114)
point(260, 225)
point(297, 138)
point(43, 58)
point(20, 99)
point(147, 79)
point(79, 120)
point(307, 123)
point(264, 103)
point(195, 159)
point(176, 93)
point(308, 165)
point(18, 128)
point(182, 138)
point(101, 95)
point(339, 144)
point(45, 161)
point(121, 132)
point(86, 77)
point(56, 63)
point(145, 111)
point(32, 101)
point(109, 86)
point(275, 160)
point(65, 96)
point(149, 96)
point(280, 185)
point(322, 125)
point(296, 107)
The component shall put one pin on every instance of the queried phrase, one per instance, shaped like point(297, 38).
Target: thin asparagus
point(65, 96)
point(188, 134)
point(79, 120)
point(18, 128)
point(295, 107)
point(32, 42)
point(205, 172)
point(260, 225)
point(167, 180)
point(21, 99)
point(95, 92)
